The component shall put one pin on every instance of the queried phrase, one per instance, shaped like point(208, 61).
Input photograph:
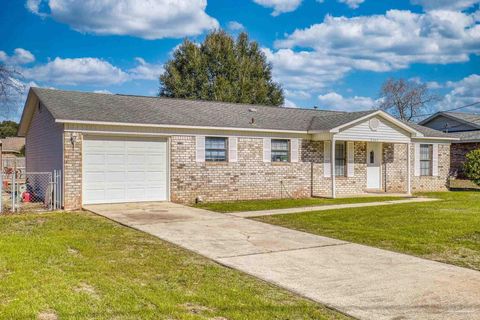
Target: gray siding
point(44, 143)
point(440, 122)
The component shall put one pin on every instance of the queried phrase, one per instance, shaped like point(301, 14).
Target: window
point(280, 150)
point(426, 159)
point(340, 158)
point(215, 149)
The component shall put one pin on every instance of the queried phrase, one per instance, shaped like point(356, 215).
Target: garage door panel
point(124, 169)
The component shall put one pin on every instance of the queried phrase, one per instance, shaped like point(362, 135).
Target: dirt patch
point(73, 251)
point(195, 308)
point(88, 289)
point(47, 315)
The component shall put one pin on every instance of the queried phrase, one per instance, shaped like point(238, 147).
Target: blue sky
point(334, 54)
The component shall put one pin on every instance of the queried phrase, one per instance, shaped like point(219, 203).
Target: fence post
point(13, 190)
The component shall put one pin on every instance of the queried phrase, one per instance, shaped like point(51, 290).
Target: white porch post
point(332, 162)
point(409, 170)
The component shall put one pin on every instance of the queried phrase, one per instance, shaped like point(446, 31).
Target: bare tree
point(405, 99)
point(10, 86)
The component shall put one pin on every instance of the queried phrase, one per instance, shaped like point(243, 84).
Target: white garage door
point(123, 169)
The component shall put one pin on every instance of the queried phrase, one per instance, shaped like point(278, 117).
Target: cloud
point(280, 6)
point(463, 92)
point(235, 26)
point(335, 101)
point(78, 71)
point(430, 84)
point(354, 4)
point(145, 19)
point(445, 4)
point(289, 104)
point(104, 91)
point(297, 94)
point(19, 56)
point(145, 71)
point(316, 56)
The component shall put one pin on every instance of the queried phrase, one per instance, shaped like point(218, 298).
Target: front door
point(374, 159)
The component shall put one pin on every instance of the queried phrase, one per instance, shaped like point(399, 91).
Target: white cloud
point(145, 70)
point(297, 94)
point(104, 91)
point(235, 26)
point(316, 56)
point(280, 6)
point(430, 84)
point(335, 101)
point(445, 4)
point(19, 56)
point(354, 4)
point(463, 92)
point(289, 104)
point(154, 19)
point(86, 71)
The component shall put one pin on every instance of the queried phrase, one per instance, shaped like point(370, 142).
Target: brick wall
point(251, 178)
point(430, 183)
point(72, 176)
point(458, 153)
point(248, 178)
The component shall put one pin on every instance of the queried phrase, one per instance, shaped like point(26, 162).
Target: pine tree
point(221, 69)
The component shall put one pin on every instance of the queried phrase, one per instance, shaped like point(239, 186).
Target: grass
point(446, 231)
point(81, 266)
point(256, 205)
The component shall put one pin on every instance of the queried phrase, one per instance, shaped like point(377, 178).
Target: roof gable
point(470, 121)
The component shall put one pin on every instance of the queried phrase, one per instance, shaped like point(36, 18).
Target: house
point(463, 125)
point(12, 147)
point(120, 148)
point(12, 153)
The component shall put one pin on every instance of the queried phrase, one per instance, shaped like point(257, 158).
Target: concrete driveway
point(362, 281)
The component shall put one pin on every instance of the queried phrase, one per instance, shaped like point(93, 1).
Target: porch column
point(409, 170)
point(332, 162)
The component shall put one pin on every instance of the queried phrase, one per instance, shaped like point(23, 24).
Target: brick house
point(466, 127)
point(118, 148)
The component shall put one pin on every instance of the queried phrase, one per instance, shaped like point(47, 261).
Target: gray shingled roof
point(473, 118)
point(429, 132)
point(86, 106)
point(467, 135)
point(83, 106)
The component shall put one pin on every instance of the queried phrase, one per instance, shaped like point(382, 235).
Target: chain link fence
point(30, 191)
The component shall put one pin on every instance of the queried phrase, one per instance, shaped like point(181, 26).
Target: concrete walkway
point(259, 213)
point(362, 281)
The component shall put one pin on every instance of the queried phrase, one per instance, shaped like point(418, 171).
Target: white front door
point(374, 160)
point(124, 169)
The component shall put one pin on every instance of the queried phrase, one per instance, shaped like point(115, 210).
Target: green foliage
point(8, 129)
point(221, 69)
point(472, 166)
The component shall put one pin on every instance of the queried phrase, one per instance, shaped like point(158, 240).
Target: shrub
point(472, 166)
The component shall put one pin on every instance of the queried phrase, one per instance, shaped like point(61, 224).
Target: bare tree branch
point(10, 86)
point(405, 99)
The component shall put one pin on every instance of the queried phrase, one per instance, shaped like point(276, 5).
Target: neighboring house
point(12, 153)
point(463, 125)
point(118, 148)
point(12, 146)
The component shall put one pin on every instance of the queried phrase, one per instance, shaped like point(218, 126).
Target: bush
point(472, 166)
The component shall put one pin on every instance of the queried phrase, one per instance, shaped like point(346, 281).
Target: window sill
point(279, 163)
point(216, 163)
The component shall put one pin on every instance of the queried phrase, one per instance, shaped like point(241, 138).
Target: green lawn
point(256, 205)
point(77, 265)
point(447, 231)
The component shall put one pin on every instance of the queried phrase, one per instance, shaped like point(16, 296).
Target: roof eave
point(152, 125)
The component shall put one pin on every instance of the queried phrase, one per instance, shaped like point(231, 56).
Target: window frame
point(343, 172)
point(429, 160)
point(207, 150)
point(273, 151)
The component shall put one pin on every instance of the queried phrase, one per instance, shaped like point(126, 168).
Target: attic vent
point(252, 110)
